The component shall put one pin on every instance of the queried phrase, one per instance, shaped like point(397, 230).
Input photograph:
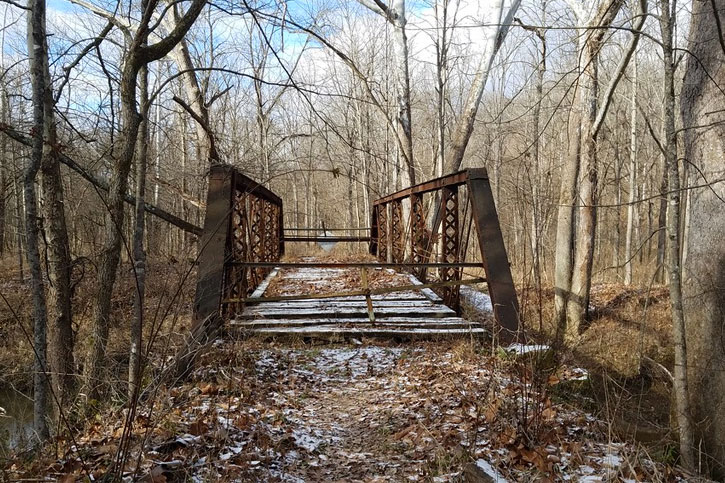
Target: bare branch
point(376, 6)
point(103, 186)
point(14, 4)
point(213, 154)
point(68, 68)
point(619, 72)
point(122, 25)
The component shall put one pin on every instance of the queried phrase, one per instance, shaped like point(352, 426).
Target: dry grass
point(165, 279)
point(625, 325)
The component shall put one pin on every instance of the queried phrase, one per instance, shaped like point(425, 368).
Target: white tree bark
point(494, 35)
point(631, 209)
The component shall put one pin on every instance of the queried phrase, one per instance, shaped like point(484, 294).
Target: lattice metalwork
point(270, 228)
point(450, 239)
point(383, 240)
point(256, 238)
point(418, 239)
point(238, 228)
point(236, 282)
point(397, 241)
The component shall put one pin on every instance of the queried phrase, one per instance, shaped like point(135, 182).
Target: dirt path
point(344, 415)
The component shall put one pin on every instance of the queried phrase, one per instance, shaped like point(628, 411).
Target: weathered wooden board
point(409, 296)
point(329, 331)
point(342, 304)
point(447, 322)
point(299, 312)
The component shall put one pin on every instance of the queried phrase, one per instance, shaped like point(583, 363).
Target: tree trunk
point(182, 57)
point(111, 251)
point(536, 202)
point(139, 255)
point(494, 37)
point(563, 253)
point(631, 213)
point(400, 48)
point(59, 265)
point(58, 256)
point(38, 53)
point(574, 252)
point(681, 396)
point(662, 228)
point(4, 118)
point(137, 55)
point(19, 210)
point(703, 104)
point(581, 277)
point(441, 46)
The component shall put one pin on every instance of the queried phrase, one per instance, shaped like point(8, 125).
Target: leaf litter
point(371, 412)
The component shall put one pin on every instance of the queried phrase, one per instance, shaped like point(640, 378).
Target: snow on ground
point(476, 299)
point(421, 412)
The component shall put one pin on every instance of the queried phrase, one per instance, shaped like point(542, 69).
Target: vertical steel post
point(280, 231)
point(493, 253)
point(214, 245)
point(373, 245)
point(417, 232)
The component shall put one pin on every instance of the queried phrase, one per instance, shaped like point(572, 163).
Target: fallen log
point(102, 185)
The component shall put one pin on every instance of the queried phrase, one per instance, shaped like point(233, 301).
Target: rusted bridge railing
point(453, 206)
point(243, 223)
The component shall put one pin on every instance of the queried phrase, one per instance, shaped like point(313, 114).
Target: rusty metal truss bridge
point(444, 233)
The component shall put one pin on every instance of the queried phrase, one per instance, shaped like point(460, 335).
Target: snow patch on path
point(478, 300)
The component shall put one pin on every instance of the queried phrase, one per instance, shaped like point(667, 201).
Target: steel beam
point(354, 264)
point(493, 253)
point(333, 239)
point(213, 246)
point(455, 179)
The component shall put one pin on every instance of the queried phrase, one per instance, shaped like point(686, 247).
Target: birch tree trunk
point(400, 49)
point(395, 15)
point(494, 36)
point(632, 179)
point(703, 116)
point(182, 57)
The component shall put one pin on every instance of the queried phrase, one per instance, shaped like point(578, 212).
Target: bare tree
point(575, 241)
point(631, 208)
point(137, 55)
point(495, 34)
point(38, 53)
point(702, 107)
point(395, 15)
point(667, 17)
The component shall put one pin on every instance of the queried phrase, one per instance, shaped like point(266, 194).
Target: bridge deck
point(415, 314)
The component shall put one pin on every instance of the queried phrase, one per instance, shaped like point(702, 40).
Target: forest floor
point(375, 411)
point(369, 412)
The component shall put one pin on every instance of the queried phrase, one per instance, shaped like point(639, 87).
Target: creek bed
point(16, 421)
